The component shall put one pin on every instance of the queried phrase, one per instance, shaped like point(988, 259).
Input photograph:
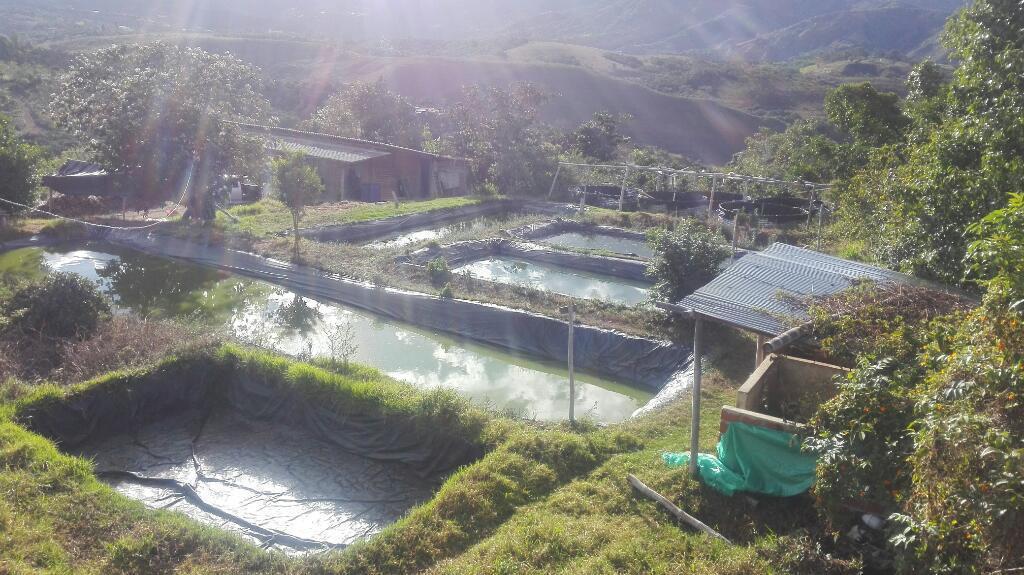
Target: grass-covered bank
point(534, 484)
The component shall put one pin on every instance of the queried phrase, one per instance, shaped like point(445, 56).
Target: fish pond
point(548, 277)
point(601, 243)
point(269, 316)
point(406, 238)
point(276, 484)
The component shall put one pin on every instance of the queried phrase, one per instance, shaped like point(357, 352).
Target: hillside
point(758, 29)
point(900, 29)
point(303, 74)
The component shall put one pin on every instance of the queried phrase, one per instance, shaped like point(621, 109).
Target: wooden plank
point(673, 509)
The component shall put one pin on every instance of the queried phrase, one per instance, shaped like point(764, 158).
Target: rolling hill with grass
point(702, 77)
point(755, 29)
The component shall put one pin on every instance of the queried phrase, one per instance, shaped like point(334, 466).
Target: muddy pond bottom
point(550, 278)
point(275, 485)
point(601, 242)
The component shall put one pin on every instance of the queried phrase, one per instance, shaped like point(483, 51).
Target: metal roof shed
point(761, 291)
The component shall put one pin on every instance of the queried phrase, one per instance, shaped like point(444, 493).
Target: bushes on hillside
point(64, 306)
point(936, 439)
point(438, 271)
point(686, 258)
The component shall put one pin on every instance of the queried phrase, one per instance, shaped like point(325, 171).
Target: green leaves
point(600, 137)
point(298, 184)
point(685, 258)
point(148, 111)
point(872, 118)
point(500, 132)
point(998, 255)
point(18, 167)
point(370, 112)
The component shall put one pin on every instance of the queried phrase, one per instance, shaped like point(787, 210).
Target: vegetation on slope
point(66, 520)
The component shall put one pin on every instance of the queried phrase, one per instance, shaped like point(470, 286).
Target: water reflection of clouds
point(550, 278)
point(428, 360)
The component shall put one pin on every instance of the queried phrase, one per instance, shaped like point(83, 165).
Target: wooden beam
point(698, 350)
point(676, 309)
point(673, 509)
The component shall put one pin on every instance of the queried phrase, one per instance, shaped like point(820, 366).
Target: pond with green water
point(548, 277)
point(266, 315)
point(408, 238)
point(601, 242)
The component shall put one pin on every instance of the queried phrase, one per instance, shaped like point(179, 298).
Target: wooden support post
point(572, 366)
point(735, 231)
point(698, 351)
point(124, 208)
point(711, 204)
point(759, 355)
point(673, 509)
point(821, 216)
point(554, 182)
point(810, 209)
point(622, 191)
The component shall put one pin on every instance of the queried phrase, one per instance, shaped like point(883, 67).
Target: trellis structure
point(717, 179)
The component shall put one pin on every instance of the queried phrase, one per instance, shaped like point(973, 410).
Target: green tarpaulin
point(756, 460)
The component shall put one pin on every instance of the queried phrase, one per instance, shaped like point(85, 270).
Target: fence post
point(572, 366)
point(698, 350)
point(622, 192)
point(554, 182)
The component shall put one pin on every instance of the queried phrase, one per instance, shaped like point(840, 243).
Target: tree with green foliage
point(996, 258)
point(18, 168)
point(64, 306)
point(369, 112)
point(930, 426)
point(959, 167)
point(872, 118)
point(807, 150)
point(148, 112)
point(686, 258)
point(600, 137)
point(299, 185)
point(927, 93)
point(926, 80)
point(500, 132)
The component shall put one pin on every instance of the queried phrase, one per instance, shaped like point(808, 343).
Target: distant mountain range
point(757, 30)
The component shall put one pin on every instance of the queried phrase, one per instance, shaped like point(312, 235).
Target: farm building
point(360, 170)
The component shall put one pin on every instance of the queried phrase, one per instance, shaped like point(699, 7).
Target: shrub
point(64, 306)
point(447, 292)
point(685, 259)
point(438, 271)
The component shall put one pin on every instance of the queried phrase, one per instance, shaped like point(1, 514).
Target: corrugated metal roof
point(752, 293)
point(339, 152)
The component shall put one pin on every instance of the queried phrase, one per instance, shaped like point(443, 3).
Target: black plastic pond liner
point(560, 226)
point(607, 353)
point(461, 253)
point(375, 229)
point(678, 200)
point(254, 456)
point(766, 209)
point(276, 484)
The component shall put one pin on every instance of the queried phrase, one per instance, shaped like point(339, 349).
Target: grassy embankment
point(543, 499)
